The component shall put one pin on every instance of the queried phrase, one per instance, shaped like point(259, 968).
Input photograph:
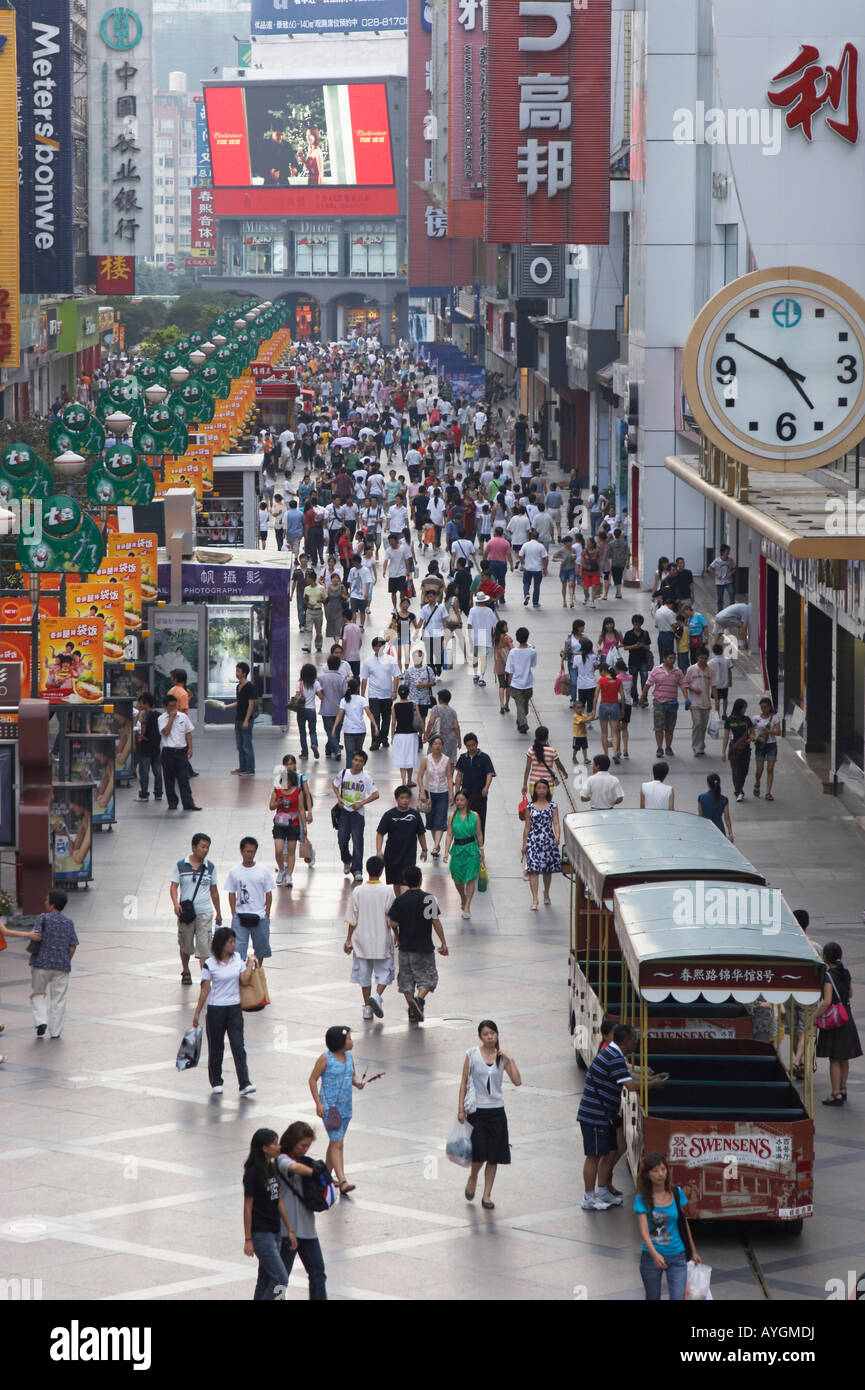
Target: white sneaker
point(247, 1090)
point(591, 1202)
point(375, 1003)
point(217, 1090)
point(608, 1199)
point(279, 877)
point(287, 881)
point(312, 860)
point(367, 1011)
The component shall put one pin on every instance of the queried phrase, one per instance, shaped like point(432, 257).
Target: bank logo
point(786, 313)
point(121, 29)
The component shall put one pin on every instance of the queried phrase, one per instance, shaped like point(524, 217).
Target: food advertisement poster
point(129, 546)
point(71, 661)
point(128, 574)
point(100, 600)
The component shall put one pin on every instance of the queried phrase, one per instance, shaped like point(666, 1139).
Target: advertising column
point(45, 140)
point(120, 149)
point(9, 281)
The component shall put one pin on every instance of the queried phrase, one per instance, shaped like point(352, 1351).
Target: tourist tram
point(673, 931)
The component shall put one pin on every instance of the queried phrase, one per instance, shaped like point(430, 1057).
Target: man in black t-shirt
point(405, 830)
point(681, 581)
point(415, 915)
point(244, 718)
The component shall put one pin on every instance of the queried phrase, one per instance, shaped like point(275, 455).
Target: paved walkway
point(121, 1177)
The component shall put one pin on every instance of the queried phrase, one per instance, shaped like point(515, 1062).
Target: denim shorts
point(766, 753)
point(609, 711)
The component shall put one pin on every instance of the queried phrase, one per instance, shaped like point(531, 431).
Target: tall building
point(173, 171)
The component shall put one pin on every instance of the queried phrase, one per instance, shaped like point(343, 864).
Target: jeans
point(683, 660)
point(499, 571)
point(279, 533)
point(722, 590)
point(572, 676)
point(739, 765)
point(350, 829)
point(243, 739)
point(260, 937)
point(353, 744)
point(219, 1020)
point(521, 699)
point(641, 676)
point(677, 1277)
point(48, 985)
point(331, 744)
point(146, 763)
point(175, 768)
point(272, 1273)
point(532, 578)
point(666, 643)
point(301, 609)
point(381, 714)
point(312, 1260)
point(306, 718)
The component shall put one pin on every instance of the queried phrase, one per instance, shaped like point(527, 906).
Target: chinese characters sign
point(271, 17)
point(203, 230)
point(70, 661)
point(120, 107)
point(437, 261)
point(467, 116)
point(811, 85)
point(548, 135)
point(115, 275)
point(203, 165)
point(9, 307)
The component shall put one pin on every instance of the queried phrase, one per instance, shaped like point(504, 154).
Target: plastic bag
point(699, 1279)
point(713, 728)
point(562, 684)
point(459, 1144)
point(190, 1049)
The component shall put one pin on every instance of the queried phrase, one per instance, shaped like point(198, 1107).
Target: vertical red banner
point(202, 235)
point(467, 116)
point(548, 163)
point(437, 261)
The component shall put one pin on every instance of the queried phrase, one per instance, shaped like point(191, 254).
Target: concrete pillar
point(385, 309)
point(330, 321)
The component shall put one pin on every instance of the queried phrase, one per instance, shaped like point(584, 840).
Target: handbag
point(562, 685)
point(523, 807)
point(186, 908)
point(305, 851)
point(297, 703)
point(483, 879)
point(332, 1120)
point(189, 1052)
point(253, 995)
point(836, 1015)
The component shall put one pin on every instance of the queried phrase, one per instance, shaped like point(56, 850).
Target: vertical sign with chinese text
point(203, 163)
point(467, 116)
point(120, 128)
point(203, 228)
point(437, 261)
point(9, 280)
point(548, 164)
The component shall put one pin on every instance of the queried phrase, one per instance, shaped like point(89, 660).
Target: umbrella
point(344, 441)
point(366, 430)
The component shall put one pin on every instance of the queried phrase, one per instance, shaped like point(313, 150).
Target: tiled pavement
point(121, 1177)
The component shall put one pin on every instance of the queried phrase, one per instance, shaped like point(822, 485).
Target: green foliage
point(32, 431)
point(159, 339)
point(195, 311)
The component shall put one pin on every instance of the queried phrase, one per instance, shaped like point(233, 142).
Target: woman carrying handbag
point(837, 1034)
point(335, 1076)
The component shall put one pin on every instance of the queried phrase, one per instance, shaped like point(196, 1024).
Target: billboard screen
point(293, 143)
point(326, 16)
point(45, 135)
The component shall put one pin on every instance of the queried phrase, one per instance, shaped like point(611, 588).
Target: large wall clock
point(774, 369)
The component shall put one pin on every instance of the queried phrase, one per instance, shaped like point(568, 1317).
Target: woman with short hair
point(222, 974)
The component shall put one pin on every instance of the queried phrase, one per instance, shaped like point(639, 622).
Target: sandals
point(470, 1192)
point(769, 796)
point(487, 1206)
point(756, 788)
point(799, 1072)
point(346, 1187)
point(186, 978)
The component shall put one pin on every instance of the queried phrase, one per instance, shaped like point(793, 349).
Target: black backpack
point(316, 1191)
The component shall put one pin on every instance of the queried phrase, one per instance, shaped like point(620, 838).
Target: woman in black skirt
point(838, 1044)
point(482, 1105)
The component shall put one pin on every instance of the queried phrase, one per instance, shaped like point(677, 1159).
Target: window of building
point(372, 249)
point(316, 249)
point(255, 248)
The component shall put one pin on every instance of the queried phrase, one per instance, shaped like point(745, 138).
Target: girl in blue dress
point(335, 1076)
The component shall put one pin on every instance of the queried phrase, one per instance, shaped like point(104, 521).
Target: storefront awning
point(793, 510)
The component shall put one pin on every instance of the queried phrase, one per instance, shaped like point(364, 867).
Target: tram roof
point(721, 939)
point(609, 848)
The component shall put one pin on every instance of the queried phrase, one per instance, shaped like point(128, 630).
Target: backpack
point(316, 1191)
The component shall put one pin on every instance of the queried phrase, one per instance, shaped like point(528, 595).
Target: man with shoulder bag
point(195, 899)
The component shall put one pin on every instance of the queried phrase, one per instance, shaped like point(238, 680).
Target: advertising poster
point(124, 545)
point(175, 645)
point(8, 823)
point(126, 680)
point(301, 140)
point(229, 640)
point(91, 760)
point(10, 340)
point(15, 610)
point(100, 600)
point(71, 831)
point(128, 574)
point(327, 16)
point(182, 472)
point(45, 140)
point(70, 661)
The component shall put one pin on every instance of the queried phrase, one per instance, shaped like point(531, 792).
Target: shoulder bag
point(187, 911)
point(335, 810)
point(684, 1231)
point(835, 1016)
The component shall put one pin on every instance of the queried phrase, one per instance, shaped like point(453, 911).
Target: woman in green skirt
point(466, 837)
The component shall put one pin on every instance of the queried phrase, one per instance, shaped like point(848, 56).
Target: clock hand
point(793, 377)
point(773, 361)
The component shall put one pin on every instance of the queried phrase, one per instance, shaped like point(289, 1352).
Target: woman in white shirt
point(263, 522)
point(585, 668)
point(221, 977)
point(768, 726)
point(432, 621)
point(352, 709)
point(654, 795)
point(307, 689)
point(437, 516)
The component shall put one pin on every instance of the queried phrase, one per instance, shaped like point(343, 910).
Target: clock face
point(775, 369)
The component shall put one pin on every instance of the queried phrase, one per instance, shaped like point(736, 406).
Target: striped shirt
point(536, 767)
point(601, 1099)
point(665, 684)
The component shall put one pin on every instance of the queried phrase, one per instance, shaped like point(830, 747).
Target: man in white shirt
point(396, 561)
point(359, 590)
point(519, 668)
point(379, 678)
point(602, 790)
point(370, 938)
point(519, 527)
point(462, 549)
point(397, 516)
point(175, 730)
point(736, 618)
point(481, 621)
point(543, 525)
point(250, 893)
point(534, 559)
point(665, 622)
point(479, 421)
point(354, 790)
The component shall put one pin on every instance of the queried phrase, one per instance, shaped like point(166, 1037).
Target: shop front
point(79, 338)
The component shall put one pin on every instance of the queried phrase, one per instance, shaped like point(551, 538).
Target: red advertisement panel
point(548, 130)
point(229, 145)
point(436, 261)
point(370, 133)
point(306, 202)
point(467, 116)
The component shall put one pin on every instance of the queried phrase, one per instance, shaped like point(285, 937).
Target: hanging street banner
point(120, 110)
